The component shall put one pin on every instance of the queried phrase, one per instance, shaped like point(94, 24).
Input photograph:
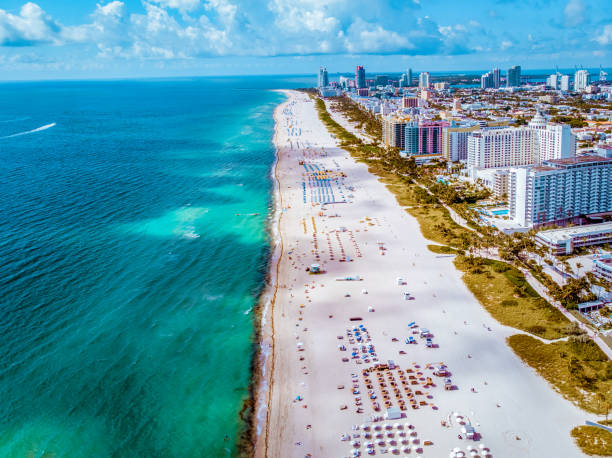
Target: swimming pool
point(500, 212)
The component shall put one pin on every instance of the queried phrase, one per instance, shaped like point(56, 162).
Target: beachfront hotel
point(560, 191)
point(518, 146)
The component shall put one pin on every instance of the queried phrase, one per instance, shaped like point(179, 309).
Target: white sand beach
point(366, 233)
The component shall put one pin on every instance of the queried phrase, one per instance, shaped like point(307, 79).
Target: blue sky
point(85, 39)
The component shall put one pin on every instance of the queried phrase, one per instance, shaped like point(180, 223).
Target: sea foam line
point(38, 129)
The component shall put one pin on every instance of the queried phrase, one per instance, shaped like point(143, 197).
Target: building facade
point(517, 146)
point(486, 81)
point(581, 80)
point(560, 190)
point(424, 80)
point(323, 77)
point(360, 80)
point(394, 131)
point(564, 84)
point(513, 76)
point(561, 242)
point(455, 141)
point(602, 267)
point(424, 138)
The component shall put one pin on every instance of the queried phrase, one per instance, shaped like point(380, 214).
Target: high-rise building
point(496, 78)
point(564, 84)
point(456, 105)
point(403, 82)
point(581, 80)
point(323, 77)
point(513, 76)
point(552, 141)
point(512, 147)
point(487, 81)
point(393, 134)
point(554, 81)
point(560, 190)
point(424, 137)
point(424, 80)
point(455, 139)
point(409, 77)
point(410, 102)
point(381, 80)
point(360, 80)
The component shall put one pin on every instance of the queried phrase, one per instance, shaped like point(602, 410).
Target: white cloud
point(31, 26)
point(181, 5)
point(605, 38)
point(574, 13)
point(184, 29)
point(505, 44)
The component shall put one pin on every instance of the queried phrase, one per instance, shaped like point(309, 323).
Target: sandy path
point(509, 400)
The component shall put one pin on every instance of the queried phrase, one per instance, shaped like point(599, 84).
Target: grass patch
point(506, 295)
point(436, 225)
point(442, 249)
point(593, 440)
point(577, 368)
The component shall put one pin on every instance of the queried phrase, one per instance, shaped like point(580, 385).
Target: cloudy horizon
point(106, 39)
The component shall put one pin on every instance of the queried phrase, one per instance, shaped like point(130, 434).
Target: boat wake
point(38, 129)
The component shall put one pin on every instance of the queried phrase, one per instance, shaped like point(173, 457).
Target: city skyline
point(113, 39)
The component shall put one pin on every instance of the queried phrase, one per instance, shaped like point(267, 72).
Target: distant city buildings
point(360, 80)
point(513, 76)
point(409, 77)
point(564, 84)
point(560, 190)
point(486, 81)
point(496, 78)
point(582, 79)
point(491, 80)
point(424, 80)
point(323, 77)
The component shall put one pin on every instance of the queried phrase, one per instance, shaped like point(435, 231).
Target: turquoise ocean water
point(126, 278)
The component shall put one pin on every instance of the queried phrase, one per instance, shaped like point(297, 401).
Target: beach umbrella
point(388, 426)
point(397, 426)
point(365, 427)
point(483, 447)
point(406, 449)
point(381, 443)
point(355, 443)
point(369, 444)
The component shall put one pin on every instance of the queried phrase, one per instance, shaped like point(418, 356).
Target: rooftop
point(555, 236)
point(579, 160)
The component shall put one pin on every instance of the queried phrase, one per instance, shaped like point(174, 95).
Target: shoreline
point(307, 404)
point(264, 358)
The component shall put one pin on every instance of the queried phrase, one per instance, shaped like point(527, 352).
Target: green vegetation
point(576, 121)
point(593, 440)
point(442, 249)
point(361, 118)
point(506, 295)
point(577, 368)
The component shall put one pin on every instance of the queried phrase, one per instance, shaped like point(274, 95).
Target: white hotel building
point(560, 190)
point(512, 147)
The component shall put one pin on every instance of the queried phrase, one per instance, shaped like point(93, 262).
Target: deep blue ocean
point(126, 277)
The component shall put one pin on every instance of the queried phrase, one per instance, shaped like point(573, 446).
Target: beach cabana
point(393, 413)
